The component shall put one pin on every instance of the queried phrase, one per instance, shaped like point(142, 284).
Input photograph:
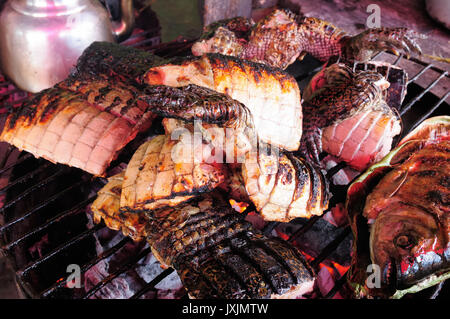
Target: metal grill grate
point(35, 176)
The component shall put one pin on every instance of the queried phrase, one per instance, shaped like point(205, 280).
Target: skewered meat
point(271, 95)
point(283, 186)
point(166, 172)
point(345, 115)
point(282, 37)
point(405, 199)
point(62, 126)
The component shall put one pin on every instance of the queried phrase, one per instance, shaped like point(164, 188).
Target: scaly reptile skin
point(282, 37)
point(337, 94)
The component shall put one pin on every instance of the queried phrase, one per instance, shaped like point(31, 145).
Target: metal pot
point(41, 40)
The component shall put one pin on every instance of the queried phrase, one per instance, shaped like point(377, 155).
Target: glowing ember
point(240, 207)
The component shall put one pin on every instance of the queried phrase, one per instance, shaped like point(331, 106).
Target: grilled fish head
point(409, 245)
point(399, 214)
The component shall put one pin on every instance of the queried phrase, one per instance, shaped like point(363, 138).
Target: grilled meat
point(165, 172)
point(106, 206)
point(225, 123)
point(214, 250)
point(249, 265)
point(407, 204)
point(85, 120)
point(293, 189)
point(107, 60)
point(283, 186)
point(271, 95)
point(345, 115)
point(282, 37)
point(63, 127)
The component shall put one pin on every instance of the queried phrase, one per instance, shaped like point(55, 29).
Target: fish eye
point(405, 241)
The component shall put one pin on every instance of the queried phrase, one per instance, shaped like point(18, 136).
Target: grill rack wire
point(168, 49)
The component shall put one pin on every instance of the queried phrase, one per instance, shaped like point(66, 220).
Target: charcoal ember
point(317, 238)
point(214, 10)
point(170, 287)
point(134, 279)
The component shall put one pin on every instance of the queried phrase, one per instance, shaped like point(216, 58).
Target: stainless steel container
point(41, 40)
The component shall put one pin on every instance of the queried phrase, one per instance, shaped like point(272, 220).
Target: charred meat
point(283, 186)
point(282, 37)
point(165, 172)
point(215, 251)
point(64, 127)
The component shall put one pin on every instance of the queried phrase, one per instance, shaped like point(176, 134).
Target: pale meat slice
point(62, 127)
point(361, 139)
point(166, 172)
point(272, 95)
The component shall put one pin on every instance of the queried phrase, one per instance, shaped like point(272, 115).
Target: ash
point(133, 280)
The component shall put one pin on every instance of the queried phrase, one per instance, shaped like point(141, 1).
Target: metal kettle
point(41, 40)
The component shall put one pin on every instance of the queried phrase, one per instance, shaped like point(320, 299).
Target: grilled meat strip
point(249, 265)
point(282, 37)
point(271, 95)
point(165, 172)
point(85, 120)
point(215, 251)
point(345, 115)
point(63, 127)
point(283, 186)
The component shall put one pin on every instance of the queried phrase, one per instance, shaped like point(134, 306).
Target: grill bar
point(415, 77)
point(54, 220)
point(337, 286)
point(25, 177)
point(19, 161)
point(331, 247)
point(88, 265)
point(128, 265)
point(432, 109)
point(59, 249)
point(31, 190)
point(41, 205)
point(304, 229)
point(408, 106)
point(151, 285)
